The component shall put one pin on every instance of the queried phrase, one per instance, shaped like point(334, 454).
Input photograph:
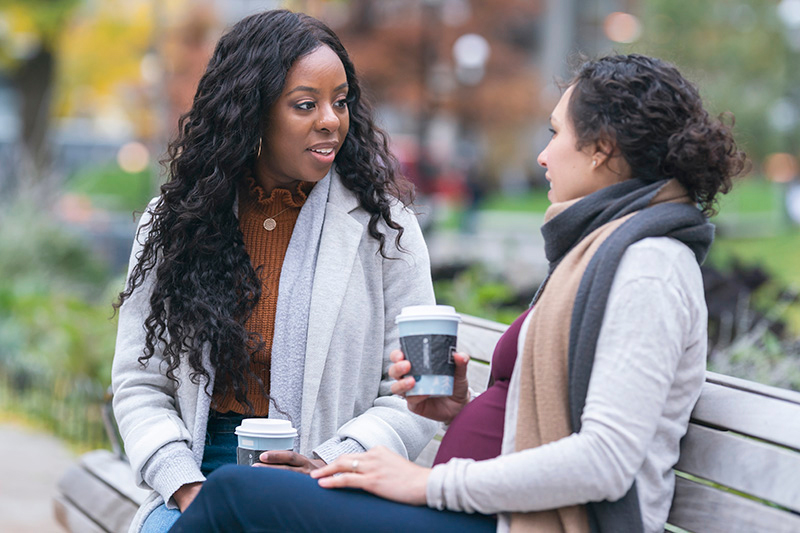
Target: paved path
point(30, 464)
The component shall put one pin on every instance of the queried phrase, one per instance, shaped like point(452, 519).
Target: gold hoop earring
point(258, 150)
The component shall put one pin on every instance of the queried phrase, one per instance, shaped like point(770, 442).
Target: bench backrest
point(739, 469)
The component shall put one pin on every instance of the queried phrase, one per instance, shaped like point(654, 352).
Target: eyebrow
point(313, 90)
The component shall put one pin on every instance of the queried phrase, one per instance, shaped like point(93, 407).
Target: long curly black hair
point(204, 286)
point(656, 120)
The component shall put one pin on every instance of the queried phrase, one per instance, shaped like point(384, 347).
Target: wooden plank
point(705, 509)
point(482, 323)
point(477, 337)
point(428, 454)
point(72, 519)
point(752, 386)
point(744, 464)
point(115, 472)
point(96, 499)
point(478, 376)
point(755, 415)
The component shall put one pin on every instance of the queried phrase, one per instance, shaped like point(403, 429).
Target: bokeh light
point(781, 167)
point(622, 27)
point(133, 157)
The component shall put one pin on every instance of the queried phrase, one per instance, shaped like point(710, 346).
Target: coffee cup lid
point(427, 312)
point(265, 427)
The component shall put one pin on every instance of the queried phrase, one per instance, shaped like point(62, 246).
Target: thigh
point(160, 520)
point(238, 498)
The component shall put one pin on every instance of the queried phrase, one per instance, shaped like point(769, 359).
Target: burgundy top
point(477, 431)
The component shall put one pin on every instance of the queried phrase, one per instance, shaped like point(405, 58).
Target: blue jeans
point(220, 449)
point(261, 500)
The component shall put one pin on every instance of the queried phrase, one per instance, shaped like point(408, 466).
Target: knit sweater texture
point(267, 250)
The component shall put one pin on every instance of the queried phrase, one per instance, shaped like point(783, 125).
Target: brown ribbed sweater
point(267, 250)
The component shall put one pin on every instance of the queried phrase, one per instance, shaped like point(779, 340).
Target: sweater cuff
point(332, 448)
point(433, 490)
point(171, 467)
point(445, 488)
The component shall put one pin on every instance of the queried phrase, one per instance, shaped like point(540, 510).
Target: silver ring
point(354, 465)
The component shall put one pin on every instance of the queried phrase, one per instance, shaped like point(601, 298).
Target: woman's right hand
point(441, 408)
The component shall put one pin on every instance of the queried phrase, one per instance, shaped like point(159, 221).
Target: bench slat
point(477, 337)
point(752, 386)
point(114, 472)
point(71, 518)
point(704, 509)
point(478, 376)
point(744, 464)
point(94, 498)
point(428, 454)
point(755, 415)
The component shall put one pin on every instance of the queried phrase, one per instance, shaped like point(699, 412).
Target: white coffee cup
point(257, 435)
point(428, 336)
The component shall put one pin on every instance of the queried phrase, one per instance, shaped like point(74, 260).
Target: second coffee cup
point(428, 336)
point(257, 435)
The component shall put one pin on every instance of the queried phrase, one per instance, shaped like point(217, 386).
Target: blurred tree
point(28, 48)
point(404, 52)
point(102, 67)
point(736, 51)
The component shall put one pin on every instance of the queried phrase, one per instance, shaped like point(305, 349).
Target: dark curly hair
point(204, 286)
point(655, 118)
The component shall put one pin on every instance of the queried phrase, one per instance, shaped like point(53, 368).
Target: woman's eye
point(552, 132)
point(341, 103)
point(305, 106)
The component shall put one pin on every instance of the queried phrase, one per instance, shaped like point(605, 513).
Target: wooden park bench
point(739, 468)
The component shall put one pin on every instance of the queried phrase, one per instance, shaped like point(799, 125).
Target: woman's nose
point(542, 159)
point(328, 120)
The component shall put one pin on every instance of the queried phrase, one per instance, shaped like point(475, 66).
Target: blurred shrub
point(474, 292)
point(112, 188)
point(54, 300)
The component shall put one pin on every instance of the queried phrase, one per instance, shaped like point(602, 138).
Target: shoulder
point(662, 260)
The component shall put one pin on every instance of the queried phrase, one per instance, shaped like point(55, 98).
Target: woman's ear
point(602, 153)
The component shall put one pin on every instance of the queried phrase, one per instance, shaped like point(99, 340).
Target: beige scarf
point(543, 415)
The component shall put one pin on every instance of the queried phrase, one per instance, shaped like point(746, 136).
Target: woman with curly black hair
point(593, 386)
point(265, 279)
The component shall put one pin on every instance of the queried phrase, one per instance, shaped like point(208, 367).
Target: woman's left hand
point(379, 471)
point(288, 460)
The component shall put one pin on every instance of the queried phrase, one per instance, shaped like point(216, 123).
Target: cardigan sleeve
point(156, 438)
point(388, 422)
point(653, 320)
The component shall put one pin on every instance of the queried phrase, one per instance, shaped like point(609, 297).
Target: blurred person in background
point(265, 279)
point(593, 385)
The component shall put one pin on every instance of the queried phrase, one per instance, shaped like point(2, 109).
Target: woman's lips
point(323, 155)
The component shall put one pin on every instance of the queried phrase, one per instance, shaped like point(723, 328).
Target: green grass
point(779, 254)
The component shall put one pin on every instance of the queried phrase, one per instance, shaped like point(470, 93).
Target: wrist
point(186, 494)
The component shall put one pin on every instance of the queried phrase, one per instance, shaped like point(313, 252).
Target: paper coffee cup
point(428, 339)
point(257, 435)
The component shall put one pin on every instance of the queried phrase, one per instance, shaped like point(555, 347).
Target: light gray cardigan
point(346, 402)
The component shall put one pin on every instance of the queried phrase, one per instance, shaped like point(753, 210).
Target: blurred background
point(91, 90)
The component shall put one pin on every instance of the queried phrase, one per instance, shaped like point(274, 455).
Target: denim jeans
point(241, 498)
point(220, 449)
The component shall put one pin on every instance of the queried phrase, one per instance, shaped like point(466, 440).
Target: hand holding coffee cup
point(258, 435)
point(428, 336)
point(440, 408)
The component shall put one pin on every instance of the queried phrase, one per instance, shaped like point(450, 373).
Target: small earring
point(594, 161)
point(258, 150)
